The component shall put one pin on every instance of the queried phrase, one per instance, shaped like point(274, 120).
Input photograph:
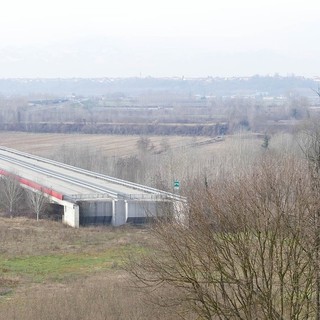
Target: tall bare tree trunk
point(311, 150)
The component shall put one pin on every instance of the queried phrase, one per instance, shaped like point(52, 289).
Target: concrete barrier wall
point(32, 185)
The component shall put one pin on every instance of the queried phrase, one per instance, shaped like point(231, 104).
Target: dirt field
point(112, 145)
point(118, 145)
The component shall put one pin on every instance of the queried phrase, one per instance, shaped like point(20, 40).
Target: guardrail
point(76, 197)
point(33, 185)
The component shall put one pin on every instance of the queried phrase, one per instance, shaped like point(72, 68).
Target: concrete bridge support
point(71, 215)
point(119, 212)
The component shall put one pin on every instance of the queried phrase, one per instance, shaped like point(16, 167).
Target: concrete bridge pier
point(119, 212)
point(71, 214)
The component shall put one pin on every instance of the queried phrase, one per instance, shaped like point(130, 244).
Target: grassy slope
point(50, 271)
point(45, 250)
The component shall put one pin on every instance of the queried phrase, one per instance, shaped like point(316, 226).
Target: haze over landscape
point(159, 39)
point(167, 146)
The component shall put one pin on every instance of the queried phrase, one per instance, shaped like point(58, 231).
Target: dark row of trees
point(123, 128)
point(210, 116)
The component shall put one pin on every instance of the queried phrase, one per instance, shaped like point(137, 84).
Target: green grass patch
point(59, 267)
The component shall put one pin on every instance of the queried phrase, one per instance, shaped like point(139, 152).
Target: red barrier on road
point(33, 185)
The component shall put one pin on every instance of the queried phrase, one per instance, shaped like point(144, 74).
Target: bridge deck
point(73, 183)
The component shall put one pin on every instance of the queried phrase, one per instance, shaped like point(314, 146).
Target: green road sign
point(176, 184)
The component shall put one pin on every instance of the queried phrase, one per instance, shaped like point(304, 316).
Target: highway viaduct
point(87, 197)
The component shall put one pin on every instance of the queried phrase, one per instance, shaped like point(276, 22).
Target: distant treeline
point(134, 128)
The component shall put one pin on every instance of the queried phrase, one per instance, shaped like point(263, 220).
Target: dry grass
point(21, 236)
point(97, 297)
point(45, 144)
point(50, 271)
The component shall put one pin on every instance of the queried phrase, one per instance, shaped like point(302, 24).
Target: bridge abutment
point(71, 215)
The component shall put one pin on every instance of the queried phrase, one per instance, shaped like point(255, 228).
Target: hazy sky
point(97, 38)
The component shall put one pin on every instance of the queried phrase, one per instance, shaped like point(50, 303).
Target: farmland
point(111, 145)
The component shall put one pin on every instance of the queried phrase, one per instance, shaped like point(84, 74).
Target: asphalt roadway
point(71, 181)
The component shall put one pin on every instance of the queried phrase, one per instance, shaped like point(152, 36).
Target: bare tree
point(317, 91)
point(248, 251)
point(311, 149)
point(37, 201)
point(266, 141)
point(11, 192)
point(144, 144)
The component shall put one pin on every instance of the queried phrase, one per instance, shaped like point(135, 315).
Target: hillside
point(126, 87)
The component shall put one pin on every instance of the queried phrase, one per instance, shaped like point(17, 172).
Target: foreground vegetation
point(49, 271)
point(250, 249)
